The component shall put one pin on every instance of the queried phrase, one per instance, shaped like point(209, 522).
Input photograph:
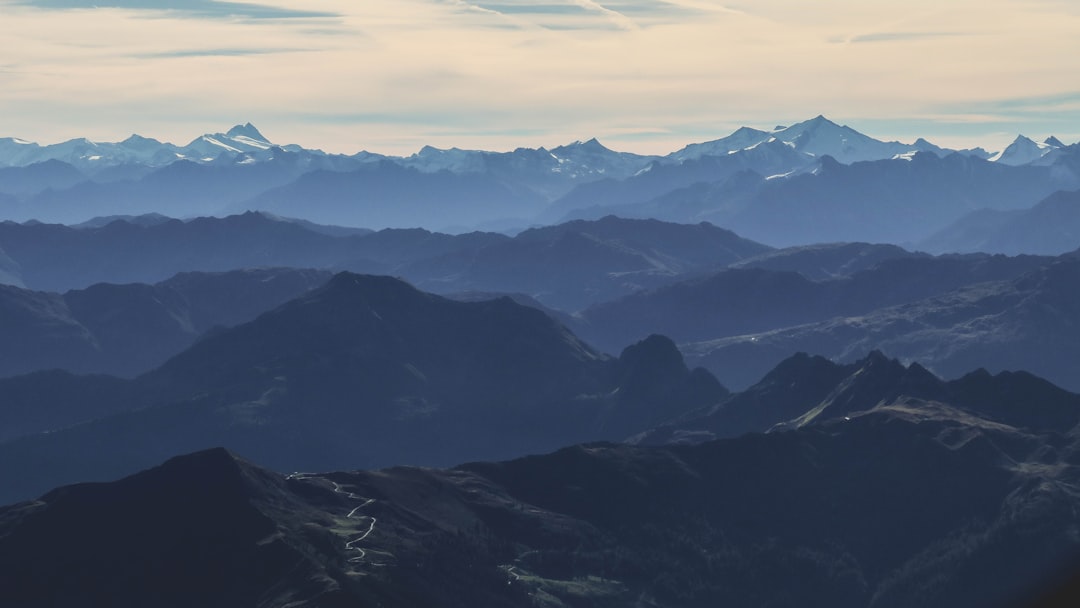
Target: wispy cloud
point(389, 75)
point(235, 52)
point(199, 8)
point(901, 36)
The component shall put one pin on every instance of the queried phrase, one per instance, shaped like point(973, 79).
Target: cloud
point(197, 8)
point(901, 36)
point(391, 75)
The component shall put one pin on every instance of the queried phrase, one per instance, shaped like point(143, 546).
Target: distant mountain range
point(567, 267)
point(1051, 227)
point(732, 304)
point(245, 143)
point(813, 181)
point(889, 487)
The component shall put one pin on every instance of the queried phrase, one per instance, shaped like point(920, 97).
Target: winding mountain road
point(350, 545)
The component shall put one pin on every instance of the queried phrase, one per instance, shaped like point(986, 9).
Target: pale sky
point(392, 75)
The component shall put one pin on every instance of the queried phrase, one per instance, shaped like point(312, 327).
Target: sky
point(391, 76)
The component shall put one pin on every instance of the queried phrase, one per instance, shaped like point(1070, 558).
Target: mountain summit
point(248, 131)
point(818, 137)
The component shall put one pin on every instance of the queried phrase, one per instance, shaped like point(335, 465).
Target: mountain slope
point(744, 300)
point(897, 200)
point(128, 329)
point(571, 265)
point(255, 542)
point(818, 136)
point(58, 258)
point(607, 196)
point(827, 260)
point(808, 390)
point(368, 371)
point(887, 201)
point(1025, 323)
point(1051, 227)
point(363, 197)
point(905, 502)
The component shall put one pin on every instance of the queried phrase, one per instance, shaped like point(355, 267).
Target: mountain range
point(300, 337)
point(128, 329)
point(898, 490)
point(767, 185)
point(705, 287)
point(1024, 323)
point(815, 137)
point(749, 299)
point(1051, 227)
point(568, 266)
point(363, 371)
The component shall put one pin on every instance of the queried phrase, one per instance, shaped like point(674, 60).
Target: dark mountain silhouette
point(128, 329)
point(1025, 323)
point(52, 257)
point(566, 266)
point(748, 300)
point(368, 371)
point(225, 533)
point(58, 258)
point(571, 265)
point(807, 390)
point(1051, 227)
point(891, 495)
point(565, 318)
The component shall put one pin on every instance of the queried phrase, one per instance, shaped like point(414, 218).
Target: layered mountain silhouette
point(898, 489)
point(52, 257)
point(567, 266)
point(806, 390)
point(770, 185)
point(898, 200)
point(1051, 227)
point(128, 329)
point(572, 265)
point(365, 371)
point(905, 461)
point(752, 298)
point(1027, 323)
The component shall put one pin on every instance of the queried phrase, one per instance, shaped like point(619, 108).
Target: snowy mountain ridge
point(813, 139)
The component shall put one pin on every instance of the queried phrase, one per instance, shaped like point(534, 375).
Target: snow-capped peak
point(246, 131)
point(822, 137)
point(1024, 150)
point(740, 139)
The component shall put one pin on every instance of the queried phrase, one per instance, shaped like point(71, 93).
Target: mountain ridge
point(366, 371)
